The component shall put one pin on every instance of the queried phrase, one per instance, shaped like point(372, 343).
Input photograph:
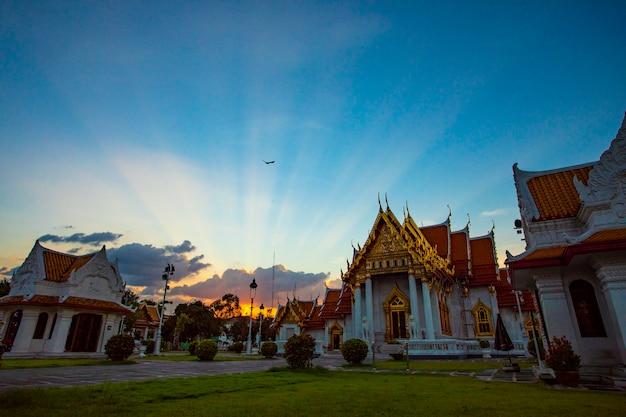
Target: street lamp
point(252, 294)
point(169, 270)
point(258, 336)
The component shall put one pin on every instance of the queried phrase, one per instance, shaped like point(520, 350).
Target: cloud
point(496, 212)
point(143, 264)
point(93, 239)
point(7, 272)
point(184, 247)
point(286, 283)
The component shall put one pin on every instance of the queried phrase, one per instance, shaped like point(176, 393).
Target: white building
point(574, 222)
point(62, 305)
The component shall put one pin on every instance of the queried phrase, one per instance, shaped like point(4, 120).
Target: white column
point(613, 283)
point(369, 306)
point(356, 312)
point(25, 332)
point(558, 320)
point(428, 313)
point(61, 330)
point(414, 305)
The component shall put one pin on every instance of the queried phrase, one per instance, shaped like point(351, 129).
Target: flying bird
point(268, 162)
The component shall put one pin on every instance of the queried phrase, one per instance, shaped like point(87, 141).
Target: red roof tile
point(555, 195)
point(437, 236)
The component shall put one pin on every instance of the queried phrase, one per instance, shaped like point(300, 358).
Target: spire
point(386, 202)
point(380, 207)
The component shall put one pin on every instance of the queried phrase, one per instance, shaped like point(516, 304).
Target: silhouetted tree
point(5, 287)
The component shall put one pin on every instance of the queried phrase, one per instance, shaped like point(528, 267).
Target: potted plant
point(485, 347)
point(564, 361)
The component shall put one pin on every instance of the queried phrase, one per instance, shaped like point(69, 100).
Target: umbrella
point(502, 341)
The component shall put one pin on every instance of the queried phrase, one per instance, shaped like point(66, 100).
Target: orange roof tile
point(59, 266)
point(505, 295)
point(484, 265)
point(437, 236)
point(607, 236)
point(75, 302)
point(459, 253)
point(555, 195)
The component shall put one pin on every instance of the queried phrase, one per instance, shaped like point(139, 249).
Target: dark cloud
point(143, 265)
point(93, 239)
point(7, 272)
point(184, 247)
point(287, 283)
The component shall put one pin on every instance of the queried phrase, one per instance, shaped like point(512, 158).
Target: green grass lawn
point(317, 392)
point(58, 362)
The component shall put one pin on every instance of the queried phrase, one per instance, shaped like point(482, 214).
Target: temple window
point(586, 308)
point(482, 320)
point(40, 328)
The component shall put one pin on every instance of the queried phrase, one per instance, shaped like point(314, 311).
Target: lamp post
point(258, 336)
point(252, 294)
point(518, 295)
point(169, 270)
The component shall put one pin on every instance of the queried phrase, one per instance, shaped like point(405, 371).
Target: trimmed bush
point(269, 349)
point(206, 350)
point(192, 347)
point(299, 351)
point(354, 350)
point(149, 346)
point(119, 347)
point(236, 347)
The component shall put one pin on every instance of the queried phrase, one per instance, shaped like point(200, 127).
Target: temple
point(574, 223)
point(436, 291)
point(62, 305)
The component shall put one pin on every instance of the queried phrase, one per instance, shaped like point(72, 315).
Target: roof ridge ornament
point(607, 173)
point(380, 207)
point(386, 202)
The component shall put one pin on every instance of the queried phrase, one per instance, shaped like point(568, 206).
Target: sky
point(144, 126)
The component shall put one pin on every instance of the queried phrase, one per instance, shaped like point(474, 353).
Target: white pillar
point(61, 330)
point(613, 283)
point(369, 306)
point(428, 313)
point(356, 313)
point(555, 309)
point(25, 332)
point(413, 299)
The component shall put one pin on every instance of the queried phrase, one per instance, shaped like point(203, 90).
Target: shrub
point(236, 347)
point(269, 349)
point(149, 346)
point(299, 351)
point(354, 350)
point(192, 347)
point(119, 347)
point(561, 356)
point(206, 350)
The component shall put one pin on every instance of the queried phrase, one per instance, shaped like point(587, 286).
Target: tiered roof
point(506, 296)
point(572, 210)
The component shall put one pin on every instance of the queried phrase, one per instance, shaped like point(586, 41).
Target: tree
point(181, 322)
point(204, 323)
point(226, 307)
point(239, 330)
point(5, 287)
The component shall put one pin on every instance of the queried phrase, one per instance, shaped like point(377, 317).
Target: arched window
point(397, 310)
point(483, 325)
point(40, 329)
point(586, 308)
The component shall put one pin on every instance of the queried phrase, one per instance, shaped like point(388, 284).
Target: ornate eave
point(389, 238)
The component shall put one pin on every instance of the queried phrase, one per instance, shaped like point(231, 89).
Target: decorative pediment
point(386, 242)
point(607, 179)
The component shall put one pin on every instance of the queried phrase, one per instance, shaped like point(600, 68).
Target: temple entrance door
point(336, 341)
point(336, 335)
point(84, 333)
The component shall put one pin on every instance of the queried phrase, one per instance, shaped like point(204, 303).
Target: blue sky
point(143, 126)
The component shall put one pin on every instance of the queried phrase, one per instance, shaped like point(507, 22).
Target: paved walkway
point(159, 369)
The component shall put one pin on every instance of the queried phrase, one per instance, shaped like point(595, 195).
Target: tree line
point(197, 321)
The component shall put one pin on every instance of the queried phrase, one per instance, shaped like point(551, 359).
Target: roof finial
point(408, 214)
point(380, 207)
point(449, 211)
point(468, 221)
point(493, 226)
point(386, 202)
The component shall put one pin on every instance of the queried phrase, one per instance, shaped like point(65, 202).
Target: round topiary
point(236, 347)
point(192, 347)
point(354, 350)
point(269, 349)
point(206, 350)
point(299, 351)
point(119, 347)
